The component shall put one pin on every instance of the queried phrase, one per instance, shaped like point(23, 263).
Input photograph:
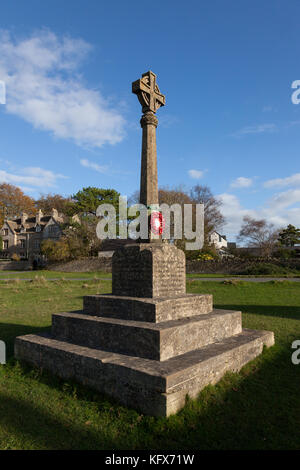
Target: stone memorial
point(149, 344)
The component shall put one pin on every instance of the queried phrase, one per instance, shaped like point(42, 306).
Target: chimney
point(38, 216)
point(54, 214)
point(24, 216)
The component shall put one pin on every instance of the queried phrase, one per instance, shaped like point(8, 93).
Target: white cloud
point(242, 182)
point(293, 180)
point(31, 176)
point(278, 210)
point(44, 88)
point(260, 129)
point(93, 166)
point(233, 213)
point(196, 174)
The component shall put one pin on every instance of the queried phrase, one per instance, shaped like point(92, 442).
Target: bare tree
point(259, 234)
point(213, 218)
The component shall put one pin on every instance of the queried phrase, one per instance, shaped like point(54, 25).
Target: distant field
point(257, 408)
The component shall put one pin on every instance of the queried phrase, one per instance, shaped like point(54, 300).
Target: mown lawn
point(51, 275)
point(257, 408)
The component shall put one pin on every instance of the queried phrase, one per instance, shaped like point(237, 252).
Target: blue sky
point(226, 68)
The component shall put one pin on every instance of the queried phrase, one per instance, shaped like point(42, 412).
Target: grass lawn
point(51, 274)
point(257, 408)
point(101, 274)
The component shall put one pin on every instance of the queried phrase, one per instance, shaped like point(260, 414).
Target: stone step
point(148, 309)
point(158, 341)
point(153, 387)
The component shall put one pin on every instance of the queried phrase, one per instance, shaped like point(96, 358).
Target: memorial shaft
point(151, 100)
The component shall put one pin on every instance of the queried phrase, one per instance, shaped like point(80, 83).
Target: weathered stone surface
point(148, 270)
point(158, 341)
point(149, 310)
point(155, 388)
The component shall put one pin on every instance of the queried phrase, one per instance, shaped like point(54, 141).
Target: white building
point(219, 241)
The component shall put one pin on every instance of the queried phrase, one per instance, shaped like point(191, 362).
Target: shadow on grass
point(258, 408)
point(9, 332)
point(279, 311)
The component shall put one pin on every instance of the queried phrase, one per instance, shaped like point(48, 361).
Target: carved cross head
point(148, 92)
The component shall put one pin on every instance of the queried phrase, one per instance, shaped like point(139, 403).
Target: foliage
point(47, 202)
point(13, 201)
point(78, 240)
point(283, 253)
point(15, 257)
point(289, 236)
point(88, 199)
point(207, 253)
point(267, 269)
point(55, 250)
point(259, 234)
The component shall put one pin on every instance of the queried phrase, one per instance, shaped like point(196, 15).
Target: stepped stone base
point(155, 310)
point(149, 344)
point(158, 341)
point(154, 387)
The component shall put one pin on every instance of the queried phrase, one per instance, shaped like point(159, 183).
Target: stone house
point(23, 235)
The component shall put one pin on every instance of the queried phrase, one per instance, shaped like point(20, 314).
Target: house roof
point(31, 223)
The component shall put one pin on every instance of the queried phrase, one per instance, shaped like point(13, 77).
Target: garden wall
point(232, 266)
point(8, 265)
point(83, 265)
point(237, 266)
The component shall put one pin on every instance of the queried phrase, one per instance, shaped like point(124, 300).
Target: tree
point(213, 218)
point(78, 240)
point(289, 236)
point(55, 250)
point(87, 200)
point(13, 201)
point(259, 234)
point(47, 202)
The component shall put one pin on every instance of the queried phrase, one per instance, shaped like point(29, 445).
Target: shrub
point(265, 269)
point(15, 257)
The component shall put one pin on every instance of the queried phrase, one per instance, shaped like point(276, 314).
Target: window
point(5, 232)
point(5, 244)
point(37, 244)
point(22, 243)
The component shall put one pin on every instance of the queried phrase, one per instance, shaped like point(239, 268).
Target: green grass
point(51, 274)
point(101, 274)
point(201, 275)
point(257, 408)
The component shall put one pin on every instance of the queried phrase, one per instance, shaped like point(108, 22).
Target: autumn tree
point(47, 202)
point(13, 201)
point(259, 234)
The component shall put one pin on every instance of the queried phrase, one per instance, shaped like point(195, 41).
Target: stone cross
point(151, 99)
point(148, 92)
